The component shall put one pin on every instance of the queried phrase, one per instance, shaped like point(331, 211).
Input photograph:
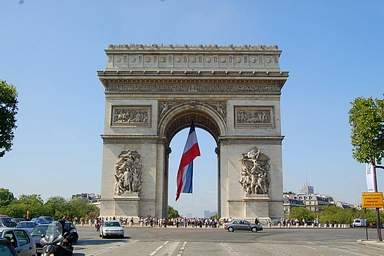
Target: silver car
point(20, 240)
point(111, 228)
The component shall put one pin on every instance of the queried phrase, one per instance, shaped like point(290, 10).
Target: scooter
point(55, 243)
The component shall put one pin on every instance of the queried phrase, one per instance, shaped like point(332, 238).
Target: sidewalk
point(373, 243)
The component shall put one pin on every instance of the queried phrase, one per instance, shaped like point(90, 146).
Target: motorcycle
point(55, 243)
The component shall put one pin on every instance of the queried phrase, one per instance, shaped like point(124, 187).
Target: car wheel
point(254, 229)
point(231, 229)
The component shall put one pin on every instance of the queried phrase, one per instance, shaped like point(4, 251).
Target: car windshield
point(8, 222)
point(54, 229)
point(39, 230)
point(112, 224)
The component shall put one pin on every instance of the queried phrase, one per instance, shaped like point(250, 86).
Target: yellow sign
point(372, 200)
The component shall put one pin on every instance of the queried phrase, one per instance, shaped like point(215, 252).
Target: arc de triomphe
point(154, 91)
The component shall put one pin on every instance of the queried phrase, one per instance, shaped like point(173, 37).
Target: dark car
point(243, 225)
point(37, 233)
point(6, 248)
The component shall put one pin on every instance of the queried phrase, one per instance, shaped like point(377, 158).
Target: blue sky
point(51, 50)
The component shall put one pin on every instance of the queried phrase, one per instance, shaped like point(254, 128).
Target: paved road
point(188, 242)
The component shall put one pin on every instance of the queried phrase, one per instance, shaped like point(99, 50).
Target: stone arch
point(180, 116)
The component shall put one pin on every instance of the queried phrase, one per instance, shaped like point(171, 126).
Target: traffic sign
point(372, 200)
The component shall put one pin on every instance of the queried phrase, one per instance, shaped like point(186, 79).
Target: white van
point(359, 223)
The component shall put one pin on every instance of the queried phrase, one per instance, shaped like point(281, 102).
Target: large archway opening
point(205, 198)
point(203, 201)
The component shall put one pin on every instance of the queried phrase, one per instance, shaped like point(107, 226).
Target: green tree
point(336, 215)
point(172, 213)
point(56, 207)
point(6, 197)
point(8, 111)
point(366, 118)
point(301, 213)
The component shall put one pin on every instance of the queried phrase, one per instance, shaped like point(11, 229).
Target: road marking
point(158, 248)
point(230, 250)
point(181, 250)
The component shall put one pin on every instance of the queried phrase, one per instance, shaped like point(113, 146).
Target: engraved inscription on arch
point(254, 117)
point(131, 116)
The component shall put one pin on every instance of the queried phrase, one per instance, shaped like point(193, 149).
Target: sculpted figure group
point(128, 173)
point(255, 172)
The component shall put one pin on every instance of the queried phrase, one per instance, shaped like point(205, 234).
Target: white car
point(20, 240)
point(111, 228)
point(359, 223)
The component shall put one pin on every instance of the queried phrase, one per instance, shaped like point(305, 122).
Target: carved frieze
point(131, 116)
point(254, 117)
point(198, 87)
point(255, 176)
point(220, 107)
point(247, 57)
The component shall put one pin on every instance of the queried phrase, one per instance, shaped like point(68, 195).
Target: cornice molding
point(192, 48)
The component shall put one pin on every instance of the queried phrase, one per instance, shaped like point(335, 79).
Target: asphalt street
point(190, 241)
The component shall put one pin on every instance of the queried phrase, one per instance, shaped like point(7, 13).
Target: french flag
point(185, 172)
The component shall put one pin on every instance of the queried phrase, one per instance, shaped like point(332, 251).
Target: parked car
point(37, 232)
point(243, 225)
point(6, 248)
point(20, 240)
point(26, 225)
point(6, 221)
point(111, 228)
point(359, 223)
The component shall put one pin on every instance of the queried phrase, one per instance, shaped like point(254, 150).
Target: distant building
point(290, 201)
point(208, 214)
point(307, 189)
point(90, 197)
point(315, 202)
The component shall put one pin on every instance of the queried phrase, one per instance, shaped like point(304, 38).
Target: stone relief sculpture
point(255, 172)
point(128, 173)
point(254, 117)
point(131, 115)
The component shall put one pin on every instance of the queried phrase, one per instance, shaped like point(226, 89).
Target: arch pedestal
point(152, 92)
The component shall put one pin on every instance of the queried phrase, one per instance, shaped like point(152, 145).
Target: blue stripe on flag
point(188, 179)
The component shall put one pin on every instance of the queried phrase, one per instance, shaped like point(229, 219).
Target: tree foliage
point(301, 213)
point(56, 207)
point(172, 213)
point(6, 197)
point(8, 111)
point(366, 118)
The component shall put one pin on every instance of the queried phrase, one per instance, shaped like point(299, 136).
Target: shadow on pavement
point(101, 241)
point(78, 254)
